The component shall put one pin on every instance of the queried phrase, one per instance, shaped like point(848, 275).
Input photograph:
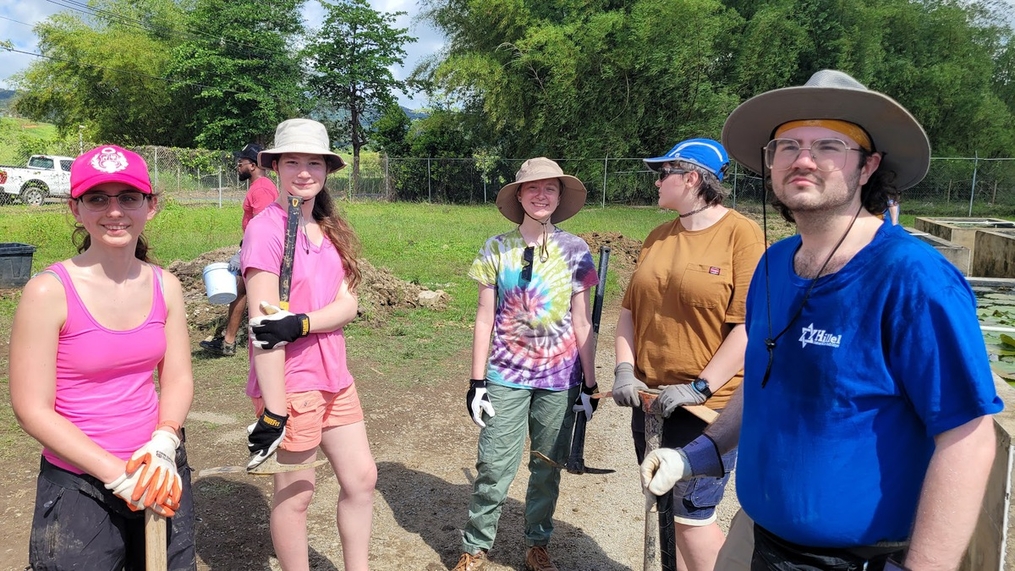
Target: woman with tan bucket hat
point(532, 342)
point(299, 380)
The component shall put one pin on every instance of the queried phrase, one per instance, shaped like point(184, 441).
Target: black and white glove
point(264, 436)
point(477, 401)
point(585, 403)
point(626, 386)
point(674, 396)
point(278, 327)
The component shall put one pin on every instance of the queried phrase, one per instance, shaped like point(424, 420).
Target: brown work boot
point(471, 561)
point(537, 559)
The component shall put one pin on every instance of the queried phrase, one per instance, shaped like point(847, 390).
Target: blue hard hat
point(705, 153)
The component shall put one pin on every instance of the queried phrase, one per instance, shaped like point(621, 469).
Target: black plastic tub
point(15, 264)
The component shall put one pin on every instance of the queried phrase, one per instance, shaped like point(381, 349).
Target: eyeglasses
point(527, 256)
point(828, 154)
point(666, 171)
point(99, 201)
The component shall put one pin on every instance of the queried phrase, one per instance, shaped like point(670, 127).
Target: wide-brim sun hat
point(704, 153)
point(106, 164)
point(301, 136)
point(572, 193)
point(832, 94)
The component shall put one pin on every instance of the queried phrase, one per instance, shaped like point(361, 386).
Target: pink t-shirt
point(317, 361)
point(261, 193)
point(105, 381)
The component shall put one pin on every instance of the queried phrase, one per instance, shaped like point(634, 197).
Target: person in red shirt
point(261, 192)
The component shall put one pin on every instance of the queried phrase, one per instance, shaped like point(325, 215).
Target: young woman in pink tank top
point(88, 336)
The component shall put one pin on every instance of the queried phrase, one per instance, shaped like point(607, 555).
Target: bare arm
point(268, 363)
point(336, 314)
point(176, 378)
point(483, 330)
point(35, 334)
point(581, 317)
point(725, 431)
point(624, 344)
point(728, 359)
point(951, 496)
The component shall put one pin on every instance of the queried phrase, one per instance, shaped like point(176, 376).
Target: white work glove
point(278, 328)
point(626, 386)
point(673, 396)
point(124, 486)
point(159, 484)
point(585, 401)
point(662, 469)
point(477, 401)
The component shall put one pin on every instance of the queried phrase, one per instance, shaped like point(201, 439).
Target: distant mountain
point(414, 114)
point(5, 98)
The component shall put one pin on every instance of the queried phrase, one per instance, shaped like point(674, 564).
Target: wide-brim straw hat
point(301, 136)
point(572, 192)
point(832, 94)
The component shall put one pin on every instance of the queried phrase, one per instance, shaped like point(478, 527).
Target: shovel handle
point(155, 541)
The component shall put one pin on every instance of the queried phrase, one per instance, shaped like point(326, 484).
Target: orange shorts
point(313, 411)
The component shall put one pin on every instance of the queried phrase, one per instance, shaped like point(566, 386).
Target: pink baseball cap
point(108, 163)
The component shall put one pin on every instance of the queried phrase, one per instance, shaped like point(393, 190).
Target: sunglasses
point(100, 201)
point(527, 257)
point(664, 172)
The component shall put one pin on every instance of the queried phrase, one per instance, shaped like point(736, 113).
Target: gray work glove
point(625, 386)
point(673, 396)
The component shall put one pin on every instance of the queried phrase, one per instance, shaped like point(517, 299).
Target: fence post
point(220, 186)
point(735, 177)
point(387, 177)
point(972, 191)
point(429, 189)
point(606, 163)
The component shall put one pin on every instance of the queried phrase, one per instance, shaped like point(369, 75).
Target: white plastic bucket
point(219, 283)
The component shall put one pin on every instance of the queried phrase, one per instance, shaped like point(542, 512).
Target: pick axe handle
point(155, 541)
point(285, 276)
point(577, 457)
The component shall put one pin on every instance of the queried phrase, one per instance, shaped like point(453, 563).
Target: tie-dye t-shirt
point(534, 343)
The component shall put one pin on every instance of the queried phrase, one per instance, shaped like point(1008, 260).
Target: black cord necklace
point(695, 211)
point(770, 340)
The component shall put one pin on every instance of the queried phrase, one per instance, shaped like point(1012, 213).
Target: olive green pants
point(546, 417)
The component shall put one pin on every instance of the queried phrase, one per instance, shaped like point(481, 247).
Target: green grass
point(431, 245)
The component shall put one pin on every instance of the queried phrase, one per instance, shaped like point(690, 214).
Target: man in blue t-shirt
point(863, 420)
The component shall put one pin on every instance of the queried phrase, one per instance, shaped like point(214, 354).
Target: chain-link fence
point(969, 186)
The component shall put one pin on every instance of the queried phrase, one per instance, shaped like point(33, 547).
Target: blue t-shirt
point(534, 343)
point(834, 449)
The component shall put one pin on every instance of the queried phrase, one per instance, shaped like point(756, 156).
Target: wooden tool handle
point(155, 542)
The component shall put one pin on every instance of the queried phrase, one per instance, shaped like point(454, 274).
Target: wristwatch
point(701, 385)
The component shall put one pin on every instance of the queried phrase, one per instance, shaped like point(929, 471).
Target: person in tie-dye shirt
point(532, 343)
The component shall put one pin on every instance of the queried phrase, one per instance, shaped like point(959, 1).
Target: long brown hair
point(341, 234)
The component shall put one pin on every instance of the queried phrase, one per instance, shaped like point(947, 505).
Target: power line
point(248, 50)
point(125, 71)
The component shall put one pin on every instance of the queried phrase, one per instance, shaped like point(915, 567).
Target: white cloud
point(18, 18)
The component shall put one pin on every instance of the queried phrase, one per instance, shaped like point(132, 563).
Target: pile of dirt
point(380, 292)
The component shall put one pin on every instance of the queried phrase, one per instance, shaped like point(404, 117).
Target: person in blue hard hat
point(681, 327)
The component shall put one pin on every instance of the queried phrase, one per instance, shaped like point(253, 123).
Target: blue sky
point(17, 18)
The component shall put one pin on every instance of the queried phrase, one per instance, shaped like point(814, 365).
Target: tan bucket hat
point(301, 136)
point(572, 195)
point(832, 94)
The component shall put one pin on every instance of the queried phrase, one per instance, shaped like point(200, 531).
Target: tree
point(237, 73)
point(107, 73)
point(351, 57)
point(576, 79)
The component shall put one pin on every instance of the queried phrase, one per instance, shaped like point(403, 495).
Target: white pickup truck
point(45, 176)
